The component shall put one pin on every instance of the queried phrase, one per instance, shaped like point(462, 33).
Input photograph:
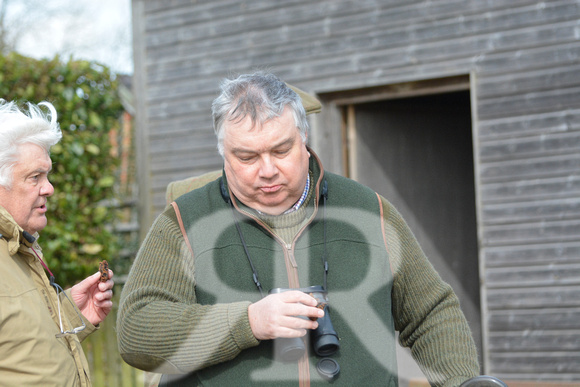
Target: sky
point(86, 29)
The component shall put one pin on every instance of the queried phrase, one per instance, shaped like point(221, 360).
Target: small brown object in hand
point(104, 269)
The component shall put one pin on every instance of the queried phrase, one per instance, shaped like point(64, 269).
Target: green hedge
point(85, 96)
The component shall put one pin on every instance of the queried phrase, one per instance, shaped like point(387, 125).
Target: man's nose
point(47, 189)
point(268, 167)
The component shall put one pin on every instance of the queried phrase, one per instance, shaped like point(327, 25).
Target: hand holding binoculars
point(324, 338)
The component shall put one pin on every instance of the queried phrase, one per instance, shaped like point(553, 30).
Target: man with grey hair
point(42, 325)
point(280, 273)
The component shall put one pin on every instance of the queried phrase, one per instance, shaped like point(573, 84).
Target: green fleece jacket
point(184, 307)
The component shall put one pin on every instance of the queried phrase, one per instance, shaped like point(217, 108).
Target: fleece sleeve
point(160, 326)
point(426, 310)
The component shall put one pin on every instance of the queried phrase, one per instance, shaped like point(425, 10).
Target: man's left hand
point(93, 297)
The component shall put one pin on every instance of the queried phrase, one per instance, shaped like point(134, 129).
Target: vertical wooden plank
point(107, 367)
point(478, 210)
point(96, 349)
point(344, 137)
point(352, 142)
point(111, 352)
point(141, 120)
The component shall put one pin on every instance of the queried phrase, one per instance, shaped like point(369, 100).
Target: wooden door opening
point(417, 152)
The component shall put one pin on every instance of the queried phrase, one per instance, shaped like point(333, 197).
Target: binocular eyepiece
point(324, 338)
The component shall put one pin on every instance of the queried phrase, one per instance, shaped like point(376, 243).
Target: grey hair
point(261, 96)
point(18, 128)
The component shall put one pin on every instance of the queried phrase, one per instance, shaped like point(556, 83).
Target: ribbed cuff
point(240, 325)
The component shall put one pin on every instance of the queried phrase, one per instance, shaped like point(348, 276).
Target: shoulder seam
point(181, 226)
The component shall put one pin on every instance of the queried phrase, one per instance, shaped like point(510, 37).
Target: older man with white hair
point(41, 325)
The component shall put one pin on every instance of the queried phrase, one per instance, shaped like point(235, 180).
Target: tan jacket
point(30, 354)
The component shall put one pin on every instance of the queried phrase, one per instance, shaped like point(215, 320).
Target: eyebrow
point(288, 141)
point(40, 170)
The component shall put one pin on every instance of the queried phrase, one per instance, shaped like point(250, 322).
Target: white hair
point(18, 128)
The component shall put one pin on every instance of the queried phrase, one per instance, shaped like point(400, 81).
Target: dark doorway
point(418, 153)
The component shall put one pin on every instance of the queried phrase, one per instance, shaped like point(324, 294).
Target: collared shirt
point(300, 201)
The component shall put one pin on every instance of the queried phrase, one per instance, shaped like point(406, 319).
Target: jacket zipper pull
point(291, 255)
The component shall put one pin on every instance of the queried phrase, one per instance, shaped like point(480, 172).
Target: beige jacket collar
point(12, 232)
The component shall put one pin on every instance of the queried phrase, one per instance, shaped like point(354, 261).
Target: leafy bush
point(85, 96)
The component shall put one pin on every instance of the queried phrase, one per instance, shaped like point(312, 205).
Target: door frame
point(334, 136)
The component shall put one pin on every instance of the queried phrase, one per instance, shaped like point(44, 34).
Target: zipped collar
point(12, 232)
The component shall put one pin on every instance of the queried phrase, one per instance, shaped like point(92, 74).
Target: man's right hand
point(276, 315)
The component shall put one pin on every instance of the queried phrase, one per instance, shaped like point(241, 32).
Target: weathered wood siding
point(523, 57)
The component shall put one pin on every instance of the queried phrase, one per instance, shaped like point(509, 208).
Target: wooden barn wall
point(523, 58)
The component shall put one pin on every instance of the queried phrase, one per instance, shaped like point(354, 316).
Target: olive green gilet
point(359, 281)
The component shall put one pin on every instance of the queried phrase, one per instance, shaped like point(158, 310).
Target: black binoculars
point(324, 338)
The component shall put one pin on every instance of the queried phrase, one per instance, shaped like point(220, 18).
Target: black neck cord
point(254, 271)
point(324, 195)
